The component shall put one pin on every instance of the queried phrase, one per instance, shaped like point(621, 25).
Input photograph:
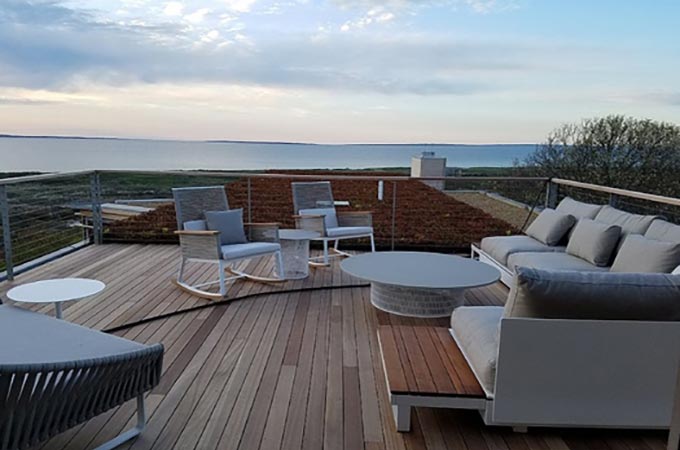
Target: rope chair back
point(309, 195)
point(192, 202)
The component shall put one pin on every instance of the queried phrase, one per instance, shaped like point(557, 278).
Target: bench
point(424, 367)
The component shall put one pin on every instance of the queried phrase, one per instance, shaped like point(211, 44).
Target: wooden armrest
point(262, 224)
point(308, 216)
point(353, 213)
point(197, 232)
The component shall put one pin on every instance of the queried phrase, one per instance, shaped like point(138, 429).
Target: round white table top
point(298, 235)
point(421, 270)
point(58, 290)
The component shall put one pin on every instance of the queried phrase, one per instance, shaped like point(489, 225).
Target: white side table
point(55, 291)
point(295, 252)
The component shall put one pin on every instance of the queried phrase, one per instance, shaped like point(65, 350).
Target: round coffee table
point(295, 252)
point(55, 291)
point(419, 284)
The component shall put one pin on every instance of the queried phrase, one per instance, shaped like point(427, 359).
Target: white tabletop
point(58, 290)
point(421, 270)
point(298, 235)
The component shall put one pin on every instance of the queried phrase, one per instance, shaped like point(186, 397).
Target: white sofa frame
point(591, 381)
point(506, 274)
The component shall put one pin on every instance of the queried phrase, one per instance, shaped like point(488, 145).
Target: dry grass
point(506, 212)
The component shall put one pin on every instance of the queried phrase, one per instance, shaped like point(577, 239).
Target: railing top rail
point(43, 177)
point(617, 191)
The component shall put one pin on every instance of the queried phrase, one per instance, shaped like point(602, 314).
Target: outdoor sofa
point(55, 375)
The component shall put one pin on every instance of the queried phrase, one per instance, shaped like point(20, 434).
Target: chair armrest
point(200, 244)
point(262, 232)
point(313, 223)
point(355, 219)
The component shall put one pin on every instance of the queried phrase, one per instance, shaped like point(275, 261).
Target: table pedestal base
point(416, 302)
point(295, 254)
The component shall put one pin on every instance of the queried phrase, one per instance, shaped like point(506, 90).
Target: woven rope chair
point(315, 211)
point(40, 400)
point(203, 245)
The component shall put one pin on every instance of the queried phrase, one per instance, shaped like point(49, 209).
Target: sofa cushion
point(348, 231)
point(639, 254)
point(578, 209)
point(551, 261)
point(663, 231)
point(501, 247)
point(594, 241)
point(229, 224)
point(629, 223)
point(330, 218)
point(237, 251)
point(476, 331)
point(550, 226)
point(594, 295)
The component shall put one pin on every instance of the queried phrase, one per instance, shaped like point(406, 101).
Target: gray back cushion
point(550, 226)
point(639, 254)
point(663, 231)
point(594, 295)
point(594, 241)
point(330, 218)
point(629, 223)
point(229, 224)
point(578, 209)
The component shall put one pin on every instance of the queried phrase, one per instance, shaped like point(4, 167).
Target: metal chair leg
point(372, 243)
point(325, 252)
point(223, 281)
point(279, 263)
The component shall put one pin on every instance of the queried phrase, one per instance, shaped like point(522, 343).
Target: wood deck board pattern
point(276, 371)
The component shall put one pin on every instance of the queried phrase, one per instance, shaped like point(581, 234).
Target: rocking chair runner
point(315, 211)
point(197, 243)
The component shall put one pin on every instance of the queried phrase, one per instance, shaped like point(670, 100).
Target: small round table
point(295, 252)
point(418, 284)
point(55, 291)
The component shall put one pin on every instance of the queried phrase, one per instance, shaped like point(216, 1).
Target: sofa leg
point(402, 417)
point(131, 433)
point(520, 429)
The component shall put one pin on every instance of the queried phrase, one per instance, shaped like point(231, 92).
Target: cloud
point(374, 16)
point(173, 9)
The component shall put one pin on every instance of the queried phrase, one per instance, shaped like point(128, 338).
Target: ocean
point(19, 154)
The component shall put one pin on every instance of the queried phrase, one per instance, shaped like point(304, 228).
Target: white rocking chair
point(197, 243)
point(315, 211)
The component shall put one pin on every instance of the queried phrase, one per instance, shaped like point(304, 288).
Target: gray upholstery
point(663, 231)
point(594, 241)
point(238, 251)
point(192, 202)
point(330, 218)
point(195, 225)
point(578, 209)
point(643, 255)
point(501, 247)
point(550, 226)
point(229, 224)
point(594, 296)
point(551, 261)
point(55, 375)
point(348, 231)
point(476, 331)
point(629, 223)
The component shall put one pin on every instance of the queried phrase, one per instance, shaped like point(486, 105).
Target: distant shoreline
point(229, 141)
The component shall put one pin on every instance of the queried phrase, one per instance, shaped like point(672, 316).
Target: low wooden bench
point(424, 367)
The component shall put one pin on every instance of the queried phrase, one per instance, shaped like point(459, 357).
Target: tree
point(617, 151)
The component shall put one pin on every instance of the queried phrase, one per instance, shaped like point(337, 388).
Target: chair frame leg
point(372, 243)
point(325, 252)
point(131, 433)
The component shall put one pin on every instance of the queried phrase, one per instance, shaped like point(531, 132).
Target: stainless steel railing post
point(97, 221)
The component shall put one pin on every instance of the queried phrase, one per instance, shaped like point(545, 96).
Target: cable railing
point(44, 216)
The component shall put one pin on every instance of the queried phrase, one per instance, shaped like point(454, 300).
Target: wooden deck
point(292, 370)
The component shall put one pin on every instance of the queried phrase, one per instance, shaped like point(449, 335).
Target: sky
point(334, 71)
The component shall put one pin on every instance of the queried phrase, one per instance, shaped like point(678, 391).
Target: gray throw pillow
point(229, 224)
point(578, 209)
point(639, 254)
point(550, 226)
point(594, 241)
point(195, 225)
point(594, 295)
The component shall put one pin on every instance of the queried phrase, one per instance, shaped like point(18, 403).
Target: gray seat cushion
point(578, 209)
point(501, 247)
point(663, 231)
point(550, 226)
point(348, 231)
point(594, 241)
point(594, 296)
point(551, 261)
point(33, 338)
point(629, 223)
point(476, 331)
point(229, 224)
point(237, 251)
point(643, 255)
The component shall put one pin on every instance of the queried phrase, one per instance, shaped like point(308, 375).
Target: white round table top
point(421, 270)
point(57, 290)
point(298, 235)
